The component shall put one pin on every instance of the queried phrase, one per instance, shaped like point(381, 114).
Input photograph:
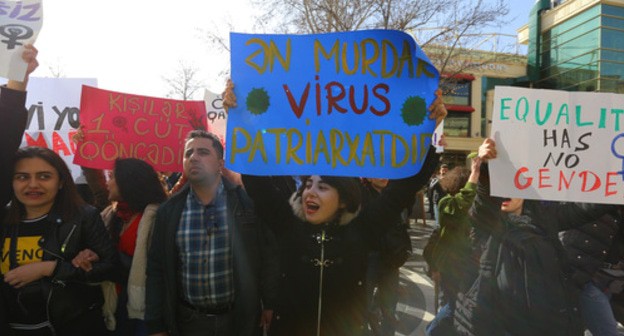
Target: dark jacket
point(489, 221)
point(70, 291)
point(13, 120)
point(256, 266)
point(394, 247)
point(551, 217)
point(324, 265)
point(593, 246)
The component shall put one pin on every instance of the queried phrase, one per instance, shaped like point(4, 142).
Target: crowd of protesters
point(508, 266)
point(215, 253)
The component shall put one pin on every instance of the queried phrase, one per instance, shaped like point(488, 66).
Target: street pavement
point(416, 294)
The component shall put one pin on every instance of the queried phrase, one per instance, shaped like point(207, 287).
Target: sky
point(131, 45)
point(518, 14)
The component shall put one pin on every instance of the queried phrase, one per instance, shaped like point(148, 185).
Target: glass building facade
point(584, 52)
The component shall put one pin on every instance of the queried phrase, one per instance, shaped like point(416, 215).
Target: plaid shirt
point(205, 251)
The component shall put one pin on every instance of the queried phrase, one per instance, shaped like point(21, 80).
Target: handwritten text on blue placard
point(345, 104)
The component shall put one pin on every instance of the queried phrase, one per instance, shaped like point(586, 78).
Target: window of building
point(457, 124)
point(568, 33)
point(589, 86)
point(609, 85)
point(577, 20)
point(583, 45)
point(574, 63)
point(613, 10)
point(611, 55)
point(585, 52)
point(612, 22)
point(612, 52)
point(613, 38)
point(570, 51)
point(612, 70)
point(456, 92)
point(568, 78)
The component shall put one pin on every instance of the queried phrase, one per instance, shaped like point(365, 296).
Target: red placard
point(121, 125)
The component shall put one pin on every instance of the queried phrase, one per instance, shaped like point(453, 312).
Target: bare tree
point(448, 18)
point(447, 30)
point(184, 83)
point(56, 69)
point(454, 25)
point(319, 16)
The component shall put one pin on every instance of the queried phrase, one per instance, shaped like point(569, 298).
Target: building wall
point(581, 46)
point(482, 65)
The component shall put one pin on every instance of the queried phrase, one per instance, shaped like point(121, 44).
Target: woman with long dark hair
point(135, 190)
point(46, 226)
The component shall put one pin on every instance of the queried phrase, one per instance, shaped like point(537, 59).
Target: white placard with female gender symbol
point(20, 23)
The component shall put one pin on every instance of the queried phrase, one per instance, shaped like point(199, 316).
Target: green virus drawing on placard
point(413, 111)
point(257, 101)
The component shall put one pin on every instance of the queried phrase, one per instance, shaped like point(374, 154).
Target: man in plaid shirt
point(211, 262)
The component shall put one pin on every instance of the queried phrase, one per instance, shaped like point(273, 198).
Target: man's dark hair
point(216, 142)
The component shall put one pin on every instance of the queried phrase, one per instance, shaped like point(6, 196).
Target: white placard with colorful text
point(53, 106)
point(558, 145)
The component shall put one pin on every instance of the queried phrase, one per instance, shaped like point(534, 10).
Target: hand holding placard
point(487, 150)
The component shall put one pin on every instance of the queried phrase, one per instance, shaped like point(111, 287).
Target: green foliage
point(258, 101)
point(413, 111)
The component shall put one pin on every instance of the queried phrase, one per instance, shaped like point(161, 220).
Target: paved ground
point(416, 303)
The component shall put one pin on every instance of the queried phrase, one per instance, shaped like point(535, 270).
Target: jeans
point(596, 311)
point(442, 324)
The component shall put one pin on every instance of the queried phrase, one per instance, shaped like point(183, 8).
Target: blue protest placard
point(342, 104)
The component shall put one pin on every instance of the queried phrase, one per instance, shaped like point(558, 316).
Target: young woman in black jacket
point(324, 233)
point(46, 226)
